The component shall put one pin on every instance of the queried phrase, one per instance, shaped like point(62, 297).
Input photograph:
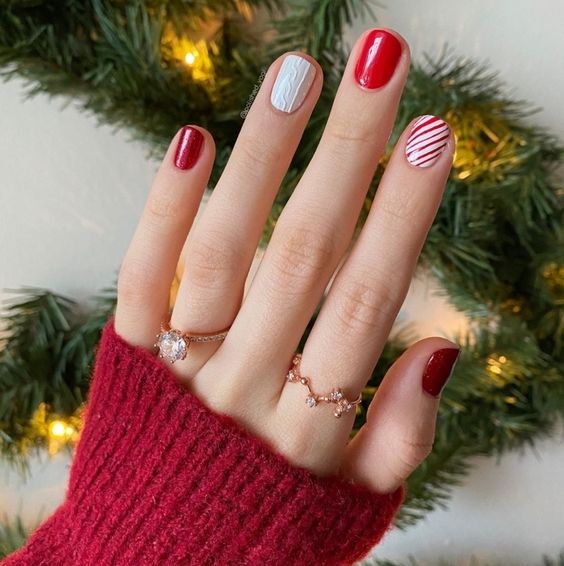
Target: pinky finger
point(148, 268)
point(400, 425)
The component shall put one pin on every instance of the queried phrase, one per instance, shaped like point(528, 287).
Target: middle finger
point(317, 224)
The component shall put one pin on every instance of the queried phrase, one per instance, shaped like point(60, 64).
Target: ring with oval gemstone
point(173, 344)
point(335, 396)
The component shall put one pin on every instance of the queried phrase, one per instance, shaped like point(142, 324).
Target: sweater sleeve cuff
point(160, 478)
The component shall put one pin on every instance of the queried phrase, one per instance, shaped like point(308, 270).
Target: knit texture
point(159, 478)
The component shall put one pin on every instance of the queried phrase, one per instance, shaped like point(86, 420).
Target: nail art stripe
point(426, 141)
point(293, 82)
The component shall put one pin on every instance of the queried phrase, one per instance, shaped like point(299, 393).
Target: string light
point(190, 58)
point(196, 56)
point(56, 431)
point(494, 363)
point(553, 273)
point(501, 372)
point(494, 369)
point(61, 429)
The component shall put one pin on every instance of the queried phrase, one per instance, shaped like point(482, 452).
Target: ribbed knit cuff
point(159, 478)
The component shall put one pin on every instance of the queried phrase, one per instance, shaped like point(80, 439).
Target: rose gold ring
point(173, 344)
point(336, 395)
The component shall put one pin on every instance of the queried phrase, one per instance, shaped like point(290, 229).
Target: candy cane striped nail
point(427, 140)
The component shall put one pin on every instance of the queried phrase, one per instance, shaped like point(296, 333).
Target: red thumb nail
point(438, 370)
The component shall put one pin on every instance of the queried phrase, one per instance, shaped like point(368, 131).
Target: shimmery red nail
point(439, 369)
point(378, 59)
point(189, 148)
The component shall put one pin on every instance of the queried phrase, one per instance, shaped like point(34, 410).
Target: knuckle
point(398, 476)
point(258, 153)
point(362, 304)
point(212, 263)
point(134, 282)
point(410, 454)
point(162, 205)
point(340, 131)
point(301, 258)
point(399, 210)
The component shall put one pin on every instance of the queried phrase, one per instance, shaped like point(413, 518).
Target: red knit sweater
point(159, 478)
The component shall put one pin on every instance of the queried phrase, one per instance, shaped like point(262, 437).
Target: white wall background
point(71, 193)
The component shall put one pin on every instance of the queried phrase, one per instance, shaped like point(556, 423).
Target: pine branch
point(46, 359)
point(13, 535)
point(317, 27)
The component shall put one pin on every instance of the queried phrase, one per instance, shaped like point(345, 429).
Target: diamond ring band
point(173, 344)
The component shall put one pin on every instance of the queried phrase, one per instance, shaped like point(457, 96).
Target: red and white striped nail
point(427, 140)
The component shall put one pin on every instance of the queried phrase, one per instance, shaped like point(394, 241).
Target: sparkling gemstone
point(292, 375)
point(311, 401)
point(172, 347)
point(344, 405)
point(336, 395)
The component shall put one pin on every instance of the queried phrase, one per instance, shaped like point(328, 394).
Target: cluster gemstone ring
point(335, 396)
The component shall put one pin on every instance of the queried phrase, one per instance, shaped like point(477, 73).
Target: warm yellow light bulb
point(190, 58)
point(58, 429)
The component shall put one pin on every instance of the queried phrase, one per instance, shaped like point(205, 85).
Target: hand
point(244, 376)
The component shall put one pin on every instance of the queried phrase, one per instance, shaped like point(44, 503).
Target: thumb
point(400, 424)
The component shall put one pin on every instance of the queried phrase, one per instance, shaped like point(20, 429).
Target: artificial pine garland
point(496, 245)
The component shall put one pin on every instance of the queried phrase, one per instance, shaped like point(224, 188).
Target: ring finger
point(221, 247)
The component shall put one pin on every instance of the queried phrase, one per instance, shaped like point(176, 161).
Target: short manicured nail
point(189, 148)
point(378, 59)
point(427, 140)
point(438, 370)
point(292, 84)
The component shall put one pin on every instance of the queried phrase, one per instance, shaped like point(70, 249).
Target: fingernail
point(378, 59)
point(292, 84)
point(438, 370)
point(189, 148)
point(427, 140)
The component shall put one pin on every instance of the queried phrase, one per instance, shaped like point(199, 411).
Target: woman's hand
point(245, 376)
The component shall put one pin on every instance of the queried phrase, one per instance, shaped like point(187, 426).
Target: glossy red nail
point(439, 369)
point(378, 59)
point(189, 148)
